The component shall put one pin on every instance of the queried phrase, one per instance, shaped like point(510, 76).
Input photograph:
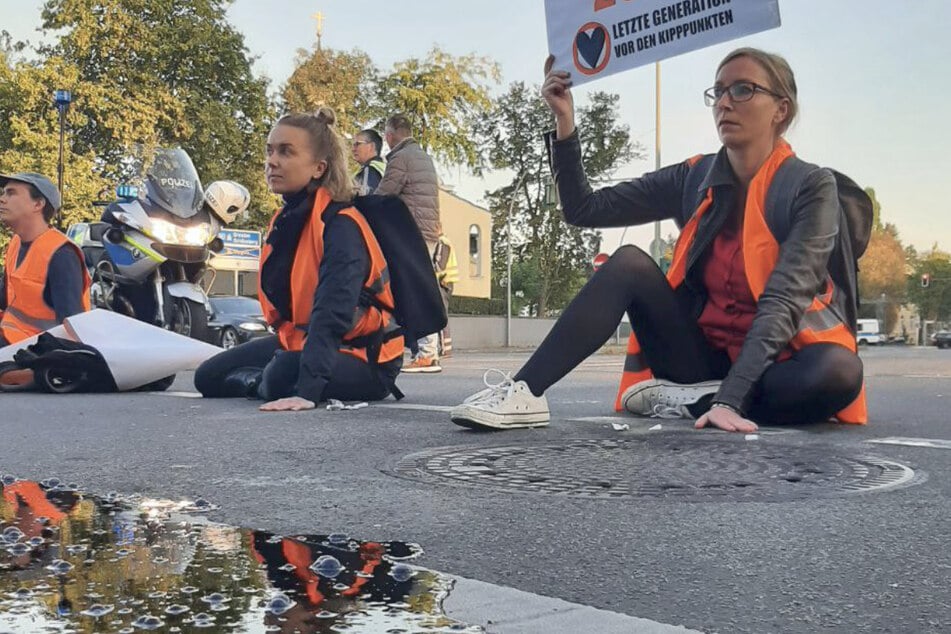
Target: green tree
point(934, 302)
point(345, 81)
point(446, 97)
point(882, 276)
point(29, 140)
point(9, 48)
point(181, 67)
point(876, 208)
point(553, 258)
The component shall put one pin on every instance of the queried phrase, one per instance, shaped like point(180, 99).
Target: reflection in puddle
point(70, 562)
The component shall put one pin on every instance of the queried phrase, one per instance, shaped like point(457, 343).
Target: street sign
point(240, 244)
point(599, 260)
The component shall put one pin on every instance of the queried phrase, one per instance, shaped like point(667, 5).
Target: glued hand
point(727, 420)
point(289, 404)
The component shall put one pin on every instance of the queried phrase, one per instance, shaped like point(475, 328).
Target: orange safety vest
point(301, 556)
point(819, 324)
point(27, 314)
point(29, 494)
point(368, 322)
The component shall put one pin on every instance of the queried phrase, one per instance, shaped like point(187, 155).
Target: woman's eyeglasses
point(739, 92)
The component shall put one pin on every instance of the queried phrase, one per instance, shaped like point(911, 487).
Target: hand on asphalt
point(726, 419)
point(290, 404)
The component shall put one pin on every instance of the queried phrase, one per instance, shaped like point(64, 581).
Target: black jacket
point(810, 235)
point(343, 269)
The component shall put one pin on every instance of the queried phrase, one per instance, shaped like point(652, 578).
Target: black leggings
point(352, 380)
point(813, 385)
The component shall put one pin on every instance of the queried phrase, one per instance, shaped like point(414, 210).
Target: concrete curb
point(502, 610)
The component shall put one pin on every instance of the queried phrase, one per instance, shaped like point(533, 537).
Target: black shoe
point(243, 382)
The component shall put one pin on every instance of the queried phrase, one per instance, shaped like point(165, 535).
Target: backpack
point(855, 226)
point(419, 308)
point(855, 219)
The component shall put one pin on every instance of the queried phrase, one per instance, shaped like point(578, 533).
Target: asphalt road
point(874, 561)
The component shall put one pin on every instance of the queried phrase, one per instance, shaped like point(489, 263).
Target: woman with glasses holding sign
point(754, 321)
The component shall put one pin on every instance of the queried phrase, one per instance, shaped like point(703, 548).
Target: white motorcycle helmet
point(227, 200)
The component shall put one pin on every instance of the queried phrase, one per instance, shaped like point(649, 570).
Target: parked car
point(942, 339)
point(869, 333)
point(234, 320)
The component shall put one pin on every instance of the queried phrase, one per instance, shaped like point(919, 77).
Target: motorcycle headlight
point(163, 231)
point(168, 233)
point(252, 326)
point(197, 236)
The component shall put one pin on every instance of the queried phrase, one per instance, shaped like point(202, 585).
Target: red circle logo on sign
point(592, 48)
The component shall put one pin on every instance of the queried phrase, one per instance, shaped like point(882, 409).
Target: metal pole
point(62, 99)
point(508, 277)
point(508, 263)
point(656, 250)
point(62, 142)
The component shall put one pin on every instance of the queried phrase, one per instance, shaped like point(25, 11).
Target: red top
point(730, 308)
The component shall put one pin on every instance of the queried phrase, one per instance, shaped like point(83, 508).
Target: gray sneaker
point(505, 405)
point(658, 398)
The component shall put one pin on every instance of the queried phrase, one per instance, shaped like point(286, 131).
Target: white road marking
point(930, 443)
point(600, 419)
point(418, 407)
point(669, 425)
point(178, 394)
point(921, 376)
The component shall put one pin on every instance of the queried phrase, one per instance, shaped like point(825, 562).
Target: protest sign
point(592, 39)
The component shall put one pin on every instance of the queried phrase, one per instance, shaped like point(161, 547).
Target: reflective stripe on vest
point(367, 321)
point(27, 313)
point(819, 324)
point(363, 182)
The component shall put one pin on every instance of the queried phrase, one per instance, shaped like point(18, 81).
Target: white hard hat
point(227, 199)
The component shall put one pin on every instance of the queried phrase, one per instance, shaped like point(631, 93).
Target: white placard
point(137, 353)
point(592, 39)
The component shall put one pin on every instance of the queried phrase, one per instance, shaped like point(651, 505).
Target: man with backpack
point(411, 175)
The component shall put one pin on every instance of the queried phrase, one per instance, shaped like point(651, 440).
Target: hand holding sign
point(557, 94)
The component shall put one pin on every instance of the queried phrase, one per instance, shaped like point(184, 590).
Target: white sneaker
point(664, 399)
point(505, 405)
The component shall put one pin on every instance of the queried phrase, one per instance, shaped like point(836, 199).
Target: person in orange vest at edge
point(747, 326)
point(322, 275)
point(34, 509)
point(45, 278)
point(363, 578)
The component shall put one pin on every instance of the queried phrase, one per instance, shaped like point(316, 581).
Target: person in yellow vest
point(747, 326)
point(45, 278)
point(447, 272)
point(366, 146)
point(324, 286)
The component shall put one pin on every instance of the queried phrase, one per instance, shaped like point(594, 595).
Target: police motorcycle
point(150, 251)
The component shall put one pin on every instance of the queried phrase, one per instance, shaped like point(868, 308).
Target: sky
point(873, 77)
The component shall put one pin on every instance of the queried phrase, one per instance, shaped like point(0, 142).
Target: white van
point(869, 333)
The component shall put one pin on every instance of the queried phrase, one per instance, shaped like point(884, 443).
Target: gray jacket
point(411, 175)
point(806, 240)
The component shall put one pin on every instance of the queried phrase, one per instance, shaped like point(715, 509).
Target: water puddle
point(72, 562)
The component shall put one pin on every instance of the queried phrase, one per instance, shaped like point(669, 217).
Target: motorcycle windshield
point(172, 183)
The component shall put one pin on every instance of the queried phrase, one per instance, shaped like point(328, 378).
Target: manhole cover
point(700, 469)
